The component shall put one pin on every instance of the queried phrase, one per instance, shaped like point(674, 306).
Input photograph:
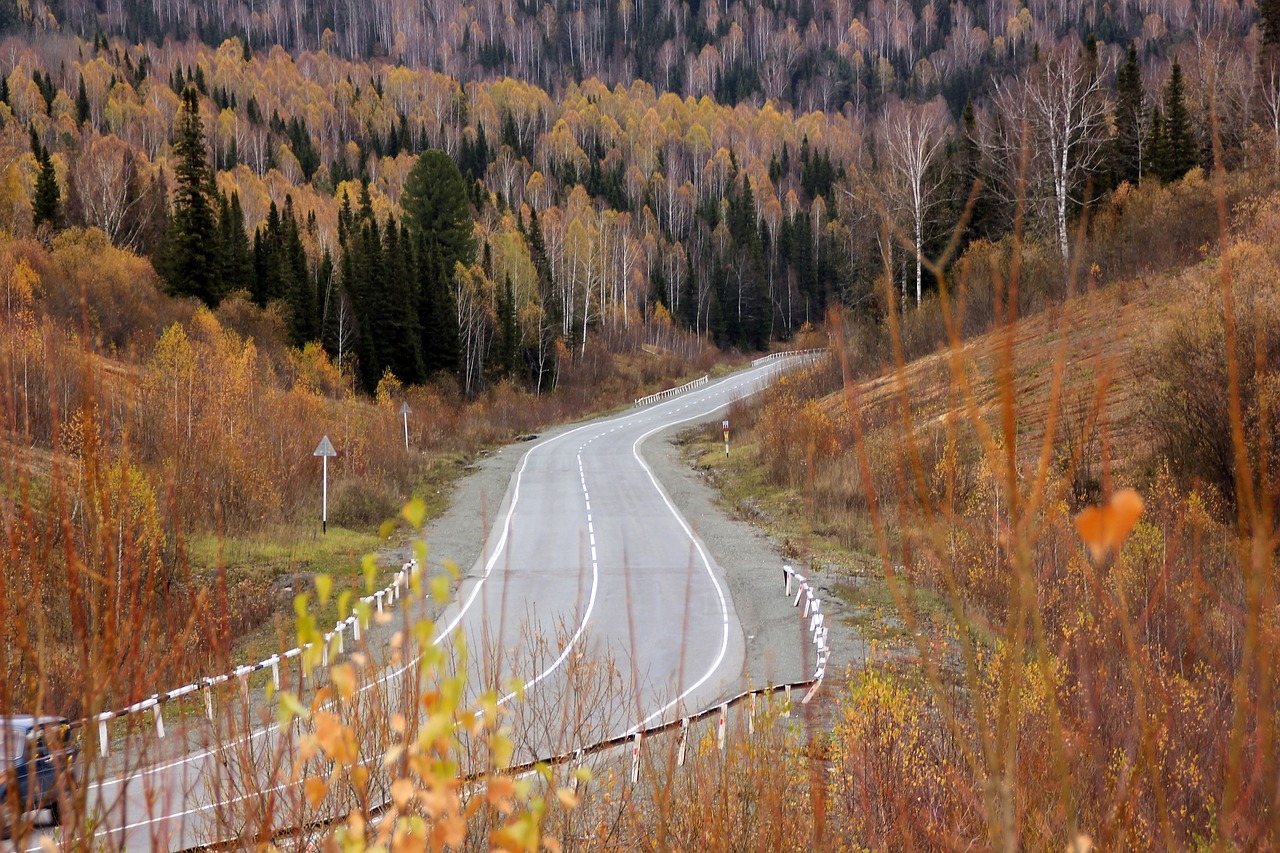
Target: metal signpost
point(324, 450)
point(725, 425)
point(404, 411)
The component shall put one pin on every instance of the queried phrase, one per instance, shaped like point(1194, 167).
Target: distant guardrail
point(808, 356)
point(673, 392)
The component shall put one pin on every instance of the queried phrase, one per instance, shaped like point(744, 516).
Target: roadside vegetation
point(1039, 464)
point(160, 499)
point(1060, 662)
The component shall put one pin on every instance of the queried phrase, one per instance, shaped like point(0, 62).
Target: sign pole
point(725, 425)
point(324, 450)
point(404, 410)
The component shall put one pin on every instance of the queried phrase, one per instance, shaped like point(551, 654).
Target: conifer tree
point(238, 270)
point(304, 320)
point(1130, 110)
point(46, 204)
point(508, 330)
point(268, 259)
point(1177, 146)
point(437, 311)
point(439, 223)
point(1269, 15)
point(1155, 145)
point(193, 259)
point(82, 103)
point(393, 313)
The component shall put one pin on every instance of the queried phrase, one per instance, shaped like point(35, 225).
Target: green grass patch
point(281, 550)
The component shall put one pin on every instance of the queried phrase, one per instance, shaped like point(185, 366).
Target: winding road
point(593, 594)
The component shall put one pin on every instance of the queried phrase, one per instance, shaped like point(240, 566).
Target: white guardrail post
point(635, 758)
point(155, 704)
point(817, 629)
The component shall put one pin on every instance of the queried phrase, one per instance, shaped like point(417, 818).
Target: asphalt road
point(591, 554)
point(594, 600)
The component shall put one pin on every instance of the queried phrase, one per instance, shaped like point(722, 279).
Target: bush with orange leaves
point(392, 765)
point(796, 432)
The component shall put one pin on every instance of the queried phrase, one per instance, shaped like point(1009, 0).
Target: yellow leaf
point(440, 588)
point(328, 732)
point(454, 831)
point(415, 512)
point(499, 792)
point(401, 792)
point(567, 798)
point(343, 676)
point(324, 586)
point(290, 707)
point(316, 790)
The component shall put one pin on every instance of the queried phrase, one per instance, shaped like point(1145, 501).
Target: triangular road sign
point(325, 448)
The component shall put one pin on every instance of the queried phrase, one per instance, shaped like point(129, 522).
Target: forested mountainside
point(589, 208)
point(809, 54)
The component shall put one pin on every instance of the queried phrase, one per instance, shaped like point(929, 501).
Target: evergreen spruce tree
point(238, 258)
point(439, 223)
point(193, 260)
point(82, 103)
point(744, 295)
point(508, 330)
point(366, 288)
point(1178, 144)
point(268, 259)
point(394, 312)
point(1156, 150)
point(1130, 110)
point(437, 311)
point(46, 205)
point(304, 317)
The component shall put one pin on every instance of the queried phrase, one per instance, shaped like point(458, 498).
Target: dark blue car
point(37, 765)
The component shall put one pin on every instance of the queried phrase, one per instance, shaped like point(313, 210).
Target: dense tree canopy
point(510, 225)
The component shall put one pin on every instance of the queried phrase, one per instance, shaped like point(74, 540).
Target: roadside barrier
point(792, 580)
point(673, 392)
point(809, 355)
point(380, 599)
point(634, 739)
point(805, 356)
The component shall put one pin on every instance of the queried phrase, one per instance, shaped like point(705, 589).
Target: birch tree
point(1057, 112)
point(914, 137)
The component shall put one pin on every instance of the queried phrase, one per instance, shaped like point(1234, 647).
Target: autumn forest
point(230, 226)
